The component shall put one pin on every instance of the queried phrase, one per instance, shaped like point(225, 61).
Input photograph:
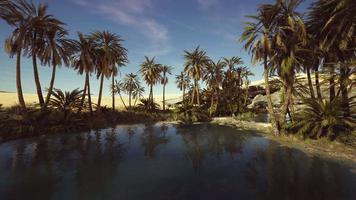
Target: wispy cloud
point(134, 14)
point(225, 34)
point(205, 4)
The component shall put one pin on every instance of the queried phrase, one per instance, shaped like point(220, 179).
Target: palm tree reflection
point(208, 142)
point(151, 140)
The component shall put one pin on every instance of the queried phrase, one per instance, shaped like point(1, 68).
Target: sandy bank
point(323, 148)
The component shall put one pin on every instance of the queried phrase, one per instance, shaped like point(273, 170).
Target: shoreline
point(326, 149)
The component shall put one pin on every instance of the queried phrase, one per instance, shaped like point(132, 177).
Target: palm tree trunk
point(151, 96)
point(83, 96)
point(113, 93)
point(18, 81)
point(331, 68)
point(135, 102)
point(183, 102)
point(284, 109)
point(274, 122)
point(343, 89)
point(37, 80)
point(49, 93)
point(317, 83)
point(100, 91)
point(332, 83)
point(164, 97)
point(246, 97)
point(130, 99)
point(123, 102)
point(310, 84)
point(193, 96)
point(197, 91)
point(212, 99)
point(89, 95)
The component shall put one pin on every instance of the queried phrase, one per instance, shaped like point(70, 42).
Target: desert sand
point(8, 99)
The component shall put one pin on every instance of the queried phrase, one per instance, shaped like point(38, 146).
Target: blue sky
point(160, 28)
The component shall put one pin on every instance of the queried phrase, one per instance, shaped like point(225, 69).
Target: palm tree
point(333, 22)
point(289, 39)
point(164, 81)
point(15, 14)
point(39, 21)
point(138, 93)
point(147, 104)
point(151, 72)
point(66, 102)
point(84, 62)
point(214, 77)
point(182, 82)
point(258, 41)
point(195, 64)
point(114, 71)
point(112, 55)
point(57, 51)
point(130, 83)
point(231, 63)
point(118, 87)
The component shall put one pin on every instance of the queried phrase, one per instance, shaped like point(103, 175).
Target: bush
point(322, 119)
point(191, 114)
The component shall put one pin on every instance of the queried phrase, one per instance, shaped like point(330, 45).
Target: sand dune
point(9, 99)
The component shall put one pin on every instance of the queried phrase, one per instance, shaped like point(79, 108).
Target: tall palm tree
point(334, 23)
point(15, 16)
point(182, 82)
point(195, 64)
point(84, 62)
point(289, 38)
point(39, 21)
point(258, 41)
point(151, 72)
point(164, 81)
point(130, 84)
point(214, 76)
point(57, 51)
point(112, 55)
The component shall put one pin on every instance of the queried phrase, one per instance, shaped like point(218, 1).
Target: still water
point(165, 161)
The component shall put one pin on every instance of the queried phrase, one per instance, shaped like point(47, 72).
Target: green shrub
point(191, 114)
point(322, 119)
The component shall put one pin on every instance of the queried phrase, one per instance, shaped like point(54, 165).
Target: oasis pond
point(167, 161)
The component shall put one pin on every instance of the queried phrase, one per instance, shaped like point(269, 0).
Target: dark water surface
point(167, 162)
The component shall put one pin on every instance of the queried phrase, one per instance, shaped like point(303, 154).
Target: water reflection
point(151, 139)
point(184, 162)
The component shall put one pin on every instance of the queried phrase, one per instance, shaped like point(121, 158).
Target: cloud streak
point(134, 14)
point(206, 4)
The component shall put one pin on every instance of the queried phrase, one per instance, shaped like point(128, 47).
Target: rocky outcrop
point(259, 98)
point(260, 101)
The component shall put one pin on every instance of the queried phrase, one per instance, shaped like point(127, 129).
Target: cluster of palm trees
point(220, 82)
point(154, 73)
point(288, 42)
point(42, 37)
